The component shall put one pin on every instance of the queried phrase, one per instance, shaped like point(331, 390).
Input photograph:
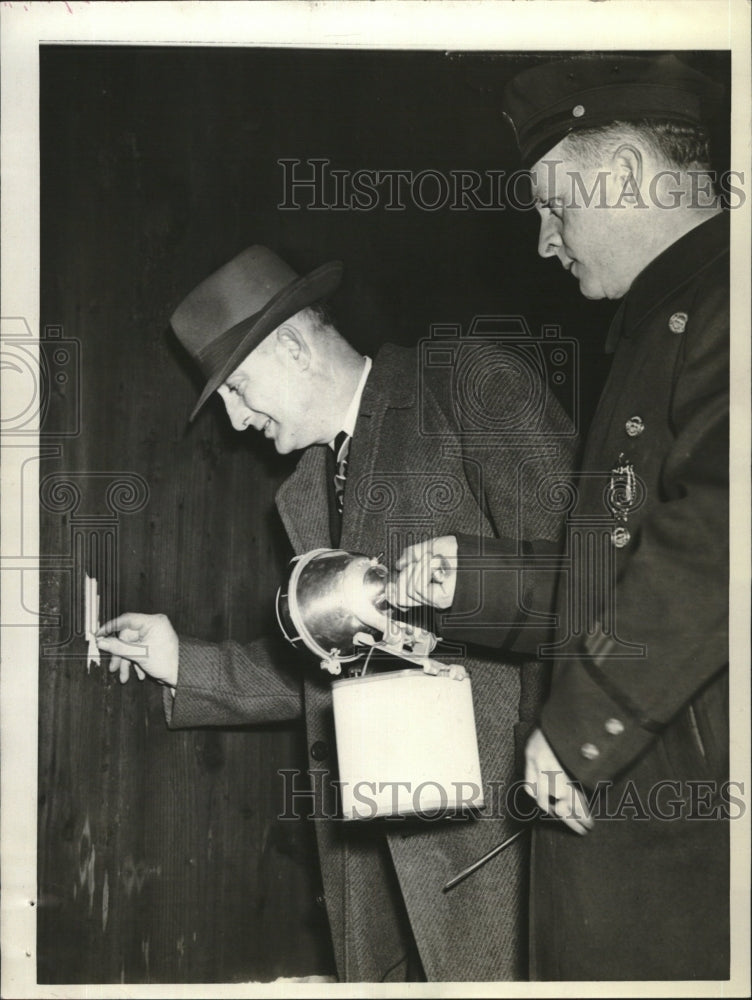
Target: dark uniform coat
point(411, 475)
point(639, 697)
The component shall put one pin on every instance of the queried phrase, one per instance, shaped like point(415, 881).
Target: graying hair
point(686, 147)
point(321, 315)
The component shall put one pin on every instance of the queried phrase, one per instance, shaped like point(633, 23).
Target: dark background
point(160, 855)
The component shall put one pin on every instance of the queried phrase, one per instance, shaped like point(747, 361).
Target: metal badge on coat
point(620, 498)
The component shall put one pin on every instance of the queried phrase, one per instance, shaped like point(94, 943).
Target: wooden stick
point(481, 861)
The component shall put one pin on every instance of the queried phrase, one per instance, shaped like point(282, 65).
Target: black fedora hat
point(223, 319)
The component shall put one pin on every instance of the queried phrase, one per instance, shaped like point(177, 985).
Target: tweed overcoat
point(412, 474)
point(639, 694)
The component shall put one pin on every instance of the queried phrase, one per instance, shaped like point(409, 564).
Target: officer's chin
point(608, 287)
point(590, 291)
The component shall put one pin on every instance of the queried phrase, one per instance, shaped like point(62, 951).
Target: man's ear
point(292, 347)
point(627, 168)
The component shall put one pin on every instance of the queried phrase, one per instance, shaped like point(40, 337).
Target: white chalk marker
point(91, 620)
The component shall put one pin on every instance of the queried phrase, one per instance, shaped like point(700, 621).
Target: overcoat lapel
point(303, 502)
point(389, 387)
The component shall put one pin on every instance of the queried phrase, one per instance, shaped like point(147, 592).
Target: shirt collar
point(348, 424)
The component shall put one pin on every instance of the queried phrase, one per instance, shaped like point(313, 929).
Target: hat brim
point(289, 300)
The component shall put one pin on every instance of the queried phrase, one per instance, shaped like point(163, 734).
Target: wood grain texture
point(160, 855)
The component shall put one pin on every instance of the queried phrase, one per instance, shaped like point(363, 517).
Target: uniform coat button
point(678, 322)
point(320, 750)
point(634, 427)
point(589, 751)
point(614, 727)
point(620, 537)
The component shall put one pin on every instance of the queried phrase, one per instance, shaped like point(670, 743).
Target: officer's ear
point(291, 346)
point(627, 168)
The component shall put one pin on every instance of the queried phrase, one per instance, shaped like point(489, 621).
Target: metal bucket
point(331, 596)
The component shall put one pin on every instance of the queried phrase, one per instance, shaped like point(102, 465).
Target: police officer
point(631, 753)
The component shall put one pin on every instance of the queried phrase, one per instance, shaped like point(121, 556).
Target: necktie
point(341, 452)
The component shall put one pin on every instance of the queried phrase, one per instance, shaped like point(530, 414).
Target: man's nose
point(549, 239)
point(240, 415)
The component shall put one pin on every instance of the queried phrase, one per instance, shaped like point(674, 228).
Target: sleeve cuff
point(468, 591)
point(481, 599)
point(592, 735)
point(496, 596)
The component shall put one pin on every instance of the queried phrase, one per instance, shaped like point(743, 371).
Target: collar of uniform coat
point(678, 265)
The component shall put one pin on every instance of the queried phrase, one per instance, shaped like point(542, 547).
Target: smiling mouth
point(267, 427)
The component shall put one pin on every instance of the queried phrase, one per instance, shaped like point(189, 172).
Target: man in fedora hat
point(631, 753)
point(258, 333)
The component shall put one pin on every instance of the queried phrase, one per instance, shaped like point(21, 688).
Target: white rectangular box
point(406, 744)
